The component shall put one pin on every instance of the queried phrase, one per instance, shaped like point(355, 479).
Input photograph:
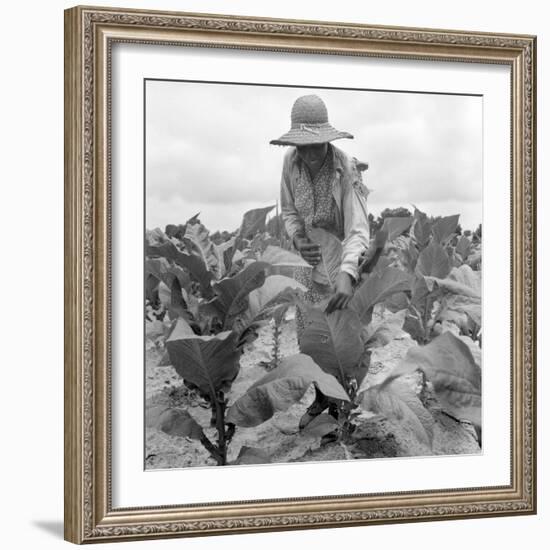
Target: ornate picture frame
point(90, 34)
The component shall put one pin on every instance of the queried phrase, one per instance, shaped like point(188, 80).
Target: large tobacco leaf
point(326, 271)
point(444, 228)
point(226, 253)
point(474, 259)
point(422, 228)
point(467, 309)
point(397, 302)
point(451, 368)
point(172, 285)
point(270, 301)
point(334, 342)
point(414, 325)
point(254, 221)
point(197, 240)
point(153, 414)
point(276, 290)
point(399, 402)
point(277, 256)
point(372, 257)
point(467, 277)
point(433, 261)
point(321, 425)
point(462, 280)
point(178, 231)
point(282, 262)
point(462, 290)
point(396, 226)
point(175, 300)
point(379, 286)
point(151, 289)
point(252, 455)
point(420, 308)
point(155, 236)
point(173, 231)
point(261, 241)
point(409, 256)
point(194, 265)
point(232, 292)
point(463, 247)
point(474, 348)
point(178, 422)
point(281, 388)
point(162, 270)
point(452, 286)
point(209, 362)
point(382, 263)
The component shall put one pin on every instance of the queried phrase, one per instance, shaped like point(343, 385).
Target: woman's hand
point(343, 293)
point(309, 251)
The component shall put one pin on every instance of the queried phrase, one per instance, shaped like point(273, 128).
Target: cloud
point(207, 145)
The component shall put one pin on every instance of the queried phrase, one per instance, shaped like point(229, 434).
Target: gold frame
point(89, 34)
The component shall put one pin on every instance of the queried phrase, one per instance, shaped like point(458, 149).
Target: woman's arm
point(356, 225)
point(356, 237)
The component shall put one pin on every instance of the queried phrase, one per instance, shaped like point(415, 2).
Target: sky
point(208, 151)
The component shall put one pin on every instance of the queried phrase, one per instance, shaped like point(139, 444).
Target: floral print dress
point(315, 203)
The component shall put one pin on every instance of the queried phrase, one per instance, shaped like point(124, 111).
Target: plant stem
point(275, 356)
point(347, 454)
point(344, 412)
point(219, 403)
point(211, 448)
point(426, 317)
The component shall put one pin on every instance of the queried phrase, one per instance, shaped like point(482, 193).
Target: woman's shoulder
point(349, 163)
point(352, 171)
point(341, 155)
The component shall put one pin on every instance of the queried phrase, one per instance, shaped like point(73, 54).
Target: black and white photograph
point(312, 275)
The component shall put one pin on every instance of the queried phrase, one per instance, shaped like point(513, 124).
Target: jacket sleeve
point(294, 224)
point(356, 225)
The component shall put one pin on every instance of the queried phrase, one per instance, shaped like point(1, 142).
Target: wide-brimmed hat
point(309, 124)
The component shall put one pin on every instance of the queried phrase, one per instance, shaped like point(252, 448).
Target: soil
point(279, 438)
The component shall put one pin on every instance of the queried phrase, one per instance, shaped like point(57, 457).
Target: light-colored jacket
point(350, 197)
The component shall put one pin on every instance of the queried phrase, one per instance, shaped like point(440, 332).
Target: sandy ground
point(375, 436)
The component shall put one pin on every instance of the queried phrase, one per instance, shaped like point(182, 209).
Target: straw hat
point(309, 124)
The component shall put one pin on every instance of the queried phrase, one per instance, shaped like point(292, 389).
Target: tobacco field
point(395, 374)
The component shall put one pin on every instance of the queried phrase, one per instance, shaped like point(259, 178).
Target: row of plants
point(213, 296)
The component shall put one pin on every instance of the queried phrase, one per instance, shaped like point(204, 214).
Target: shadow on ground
point(53, 527)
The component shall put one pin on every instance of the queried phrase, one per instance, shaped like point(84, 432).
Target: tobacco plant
point(341, 343)
point(214, 305)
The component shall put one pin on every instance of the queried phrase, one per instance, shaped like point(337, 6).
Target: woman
point(321, 187)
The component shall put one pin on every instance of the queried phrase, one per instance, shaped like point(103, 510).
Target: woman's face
point(313, 155)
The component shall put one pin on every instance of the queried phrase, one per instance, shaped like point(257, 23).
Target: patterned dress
point(315, 203)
